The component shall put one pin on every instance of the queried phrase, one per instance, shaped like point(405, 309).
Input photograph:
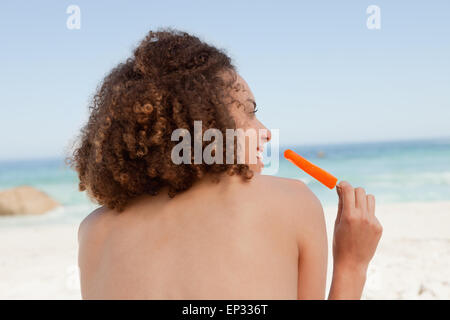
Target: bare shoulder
point(293, 201)
point(289, 193)
point(92, 225)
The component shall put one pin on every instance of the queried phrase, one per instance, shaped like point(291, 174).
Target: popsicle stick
point(314, 171)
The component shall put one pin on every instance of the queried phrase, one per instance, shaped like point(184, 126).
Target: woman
point(170, 230)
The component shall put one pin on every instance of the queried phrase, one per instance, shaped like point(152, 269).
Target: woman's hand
point(356, 230)
point(356, 235)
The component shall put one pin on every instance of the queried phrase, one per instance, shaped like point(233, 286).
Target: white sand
point(39, 262)
point(413, 257)
point(412, 262)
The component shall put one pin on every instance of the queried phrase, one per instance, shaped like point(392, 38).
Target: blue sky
point(317, 72)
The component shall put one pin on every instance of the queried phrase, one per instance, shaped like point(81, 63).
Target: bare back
point(226, 240)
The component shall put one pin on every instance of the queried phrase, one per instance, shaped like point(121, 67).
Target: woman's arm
point(312, 248)
point(347, 283)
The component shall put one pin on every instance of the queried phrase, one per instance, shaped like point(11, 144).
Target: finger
point(371, 204)
point(360, 199)
point(348, 197)
point(339, 213)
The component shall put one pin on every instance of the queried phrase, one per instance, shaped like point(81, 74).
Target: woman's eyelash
point(255, 108)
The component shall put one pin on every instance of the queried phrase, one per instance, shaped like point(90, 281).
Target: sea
point(395, 172)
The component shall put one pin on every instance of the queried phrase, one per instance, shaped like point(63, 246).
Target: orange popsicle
point(314, 171)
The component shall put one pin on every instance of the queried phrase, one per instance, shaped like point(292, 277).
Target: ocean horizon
point(394, 171)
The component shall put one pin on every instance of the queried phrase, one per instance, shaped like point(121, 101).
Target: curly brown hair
point(124, 150)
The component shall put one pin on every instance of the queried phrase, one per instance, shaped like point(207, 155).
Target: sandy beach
point(413, 257)
point(412, 262)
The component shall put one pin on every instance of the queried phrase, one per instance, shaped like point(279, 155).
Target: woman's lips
point(259, 155)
